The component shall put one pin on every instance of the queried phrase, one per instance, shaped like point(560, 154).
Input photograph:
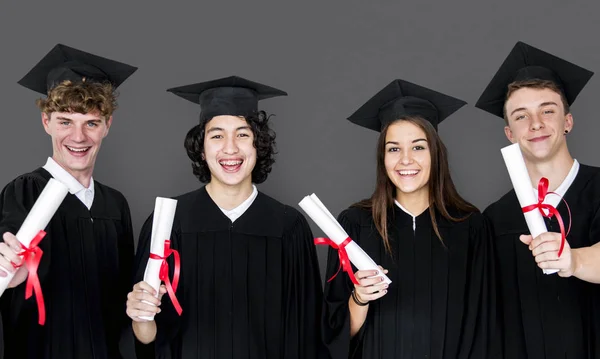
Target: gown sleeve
point(336, 314)
point(480, 338)
point(302, 293)
point(167, 321)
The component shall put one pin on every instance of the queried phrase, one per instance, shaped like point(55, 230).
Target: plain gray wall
point(330, 55)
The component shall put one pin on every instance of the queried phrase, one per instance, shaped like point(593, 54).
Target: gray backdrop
point(330, 55)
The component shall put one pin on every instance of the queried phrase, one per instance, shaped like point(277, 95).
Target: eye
point(243, 135)
point(520, 117)
point(216, 137)
point(92, 124)
point(548, 112)
point(393, 149)
point(418, 148)
point(65, 123)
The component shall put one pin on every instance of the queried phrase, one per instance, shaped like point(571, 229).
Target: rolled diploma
point(162, 223)
point(519, 176)
point(328, 224)
point(38, 218)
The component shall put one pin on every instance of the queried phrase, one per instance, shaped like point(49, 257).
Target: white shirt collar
point(553, 199)
point(85, 195)
point(237, 212)
point(407, 212)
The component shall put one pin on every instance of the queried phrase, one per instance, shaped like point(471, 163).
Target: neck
point(83, 177)
point(416, 203)
point(555, 170)
point(229, 197)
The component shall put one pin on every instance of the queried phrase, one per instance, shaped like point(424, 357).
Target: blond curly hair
point(80, 97)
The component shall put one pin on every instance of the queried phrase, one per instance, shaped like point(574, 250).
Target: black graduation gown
point(441, 302)
point(546, 316)
point(248, 289)
point(85, 274)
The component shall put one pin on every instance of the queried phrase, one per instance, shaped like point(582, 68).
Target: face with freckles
point(407, 158)
point(229, 150)
point(76, 139)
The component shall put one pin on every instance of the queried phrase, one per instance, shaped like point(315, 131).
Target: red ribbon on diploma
point(164, 273)
point(540, 205)
point(31, 259)
point(342, 254)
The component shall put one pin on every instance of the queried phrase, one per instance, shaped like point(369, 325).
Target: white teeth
point(408, 172)
point(231, 163)
point(78, 149)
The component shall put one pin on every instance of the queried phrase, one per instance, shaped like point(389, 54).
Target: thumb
point(526, 238)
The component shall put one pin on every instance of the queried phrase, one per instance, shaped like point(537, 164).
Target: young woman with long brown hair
point(434, 244)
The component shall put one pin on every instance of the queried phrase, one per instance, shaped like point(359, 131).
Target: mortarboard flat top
point(231, 95)
point(66, 63)
point(526, 62)
point(401, 99)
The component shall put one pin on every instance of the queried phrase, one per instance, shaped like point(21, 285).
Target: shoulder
point(498, 208)
point(111, 196)
point(357, 216)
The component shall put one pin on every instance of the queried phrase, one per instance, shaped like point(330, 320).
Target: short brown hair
point(81, 97)
point(535, 84)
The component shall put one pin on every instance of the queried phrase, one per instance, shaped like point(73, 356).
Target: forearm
point(358, 315)
point(586, 262)
point(145, 332)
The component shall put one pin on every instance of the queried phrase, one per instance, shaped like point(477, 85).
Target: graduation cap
point(231, 95)
point(401, 99)
point(526, 62)
point(66, 63)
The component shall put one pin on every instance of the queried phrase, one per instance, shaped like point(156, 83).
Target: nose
point(230, 145)
point(536, 123)
point(406, 157)
point(78, 134)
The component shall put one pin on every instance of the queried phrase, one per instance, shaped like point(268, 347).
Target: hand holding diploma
point(533, 212)
point(545, 249)
point(338, 238)
point(27, 250)
point(157, 269)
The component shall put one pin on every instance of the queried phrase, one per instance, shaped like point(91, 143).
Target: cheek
point(390, 160)
point(424, 160)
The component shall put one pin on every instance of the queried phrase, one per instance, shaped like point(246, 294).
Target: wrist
point(357, 300)
point(575, 263)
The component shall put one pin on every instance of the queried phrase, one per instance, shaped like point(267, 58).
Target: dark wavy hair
point(264, 142)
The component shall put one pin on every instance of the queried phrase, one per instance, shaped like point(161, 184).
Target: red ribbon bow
point(342, 254)
point(31, 259)
point(540, 205)
point(164, 273)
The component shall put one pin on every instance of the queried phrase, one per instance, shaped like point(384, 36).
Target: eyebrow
point(396, 143)
point(213, 129)
point(549, 103)
point(68, 119)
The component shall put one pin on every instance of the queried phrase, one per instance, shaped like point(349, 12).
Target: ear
point(108, 123)
point(46, 122)
point(569, 122)
point(509, 134)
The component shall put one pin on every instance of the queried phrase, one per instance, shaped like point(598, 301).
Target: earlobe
point(45, 122)
point(509, 134)
point(568, 123)
point(108, 123)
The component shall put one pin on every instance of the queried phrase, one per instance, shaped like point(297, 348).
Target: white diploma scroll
point(162, 223)
point(38, 218)
point(513, 158)
point(317, 211)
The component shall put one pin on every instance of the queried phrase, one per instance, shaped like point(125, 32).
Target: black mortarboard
point(66, 63)
point(526, 62)
point(231, 95)
point(402, 98)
